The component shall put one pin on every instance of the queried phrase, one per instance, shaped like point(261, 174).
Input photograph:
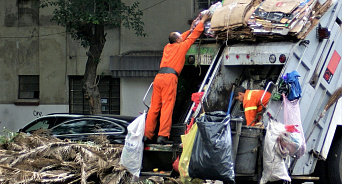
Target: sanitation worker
point(165, 82)
point(251, 103)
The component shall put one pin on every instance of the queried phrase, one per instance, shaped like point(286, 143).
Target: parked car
point(80, 127)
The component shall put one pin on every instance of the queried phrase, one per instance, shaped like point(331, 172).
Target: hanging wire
point(15, 37)
point(154, 5)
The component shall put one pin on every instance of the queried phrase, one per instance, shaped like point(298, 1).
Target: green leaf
point(80, 16)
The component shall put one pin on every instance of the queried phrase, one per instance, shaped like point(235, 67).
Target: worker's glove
point(259, 124)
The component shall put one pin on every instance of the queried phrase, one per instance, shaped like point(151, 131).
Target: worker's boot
point(163, 140)
point(146, 140)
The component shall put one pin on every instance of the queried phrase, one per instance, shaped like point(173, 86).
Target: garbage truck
point(259, 59)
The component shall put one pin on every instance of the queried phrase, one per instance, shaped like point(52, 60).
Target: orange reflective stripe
point(249, 95)
point(251, 108)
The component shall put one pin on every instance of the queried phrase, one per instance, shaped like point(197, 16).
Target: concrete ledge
point(27, 102)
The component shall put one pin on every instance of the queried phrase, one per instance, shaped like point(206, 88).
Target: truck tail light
point(272, 58)
point(323, 33)
point(282, 58)
point(191, 59)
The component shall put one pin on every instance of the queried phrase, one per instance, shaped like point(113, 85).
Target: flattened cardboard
point(284, 6)
point(249, 13)
point(228, 2)
point(227, 16)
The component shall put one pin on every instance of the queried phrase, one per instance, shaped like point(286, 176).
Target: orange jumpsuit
point(252, 105)
point(165, 84)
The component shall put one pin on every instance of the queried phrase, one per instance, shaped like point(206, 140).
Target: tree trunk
point(91, 90)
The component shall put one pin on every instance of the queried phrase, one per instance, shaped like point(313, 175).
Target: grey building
point(42, 66)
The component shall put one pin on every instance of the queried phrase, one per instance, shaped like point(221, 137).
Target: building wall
point(15, 117)
point(32, 45)
point(133, 91)
point(160, 20)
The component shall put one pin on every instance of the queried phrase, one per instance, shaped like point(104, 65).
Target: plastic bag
point(175, 164)
point(288, 143)
point(292, 80)
point(132, 153)
point(188, 142)
point(292, 118)
point(274, 167)
point(211, 156)
point(207, 31)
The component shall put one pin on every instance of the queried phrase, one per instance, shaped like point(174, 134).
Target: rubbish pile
point(44, 159)
point(269, 19)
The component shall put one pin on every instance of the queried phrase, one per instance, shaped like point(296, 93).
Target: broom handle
point(316, 123)
point(333, 98)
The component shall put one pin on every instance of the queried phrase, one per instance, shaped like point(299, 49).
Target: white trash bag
point(274, 167)
point(132, 152)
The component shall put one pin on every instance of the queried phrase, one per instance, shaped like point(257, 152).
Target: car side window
point(43, 123)
point(87, 126)
point(72, 127)
point(106, 126)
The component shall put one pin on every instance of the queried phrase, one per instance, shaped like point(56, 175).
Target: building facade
point(42, 66)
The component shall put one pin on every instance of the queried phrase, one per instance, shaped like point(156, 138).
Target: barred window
point(109, 89)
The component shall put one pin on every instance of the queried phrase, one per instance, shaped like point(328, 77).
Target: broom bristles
point(334, 98)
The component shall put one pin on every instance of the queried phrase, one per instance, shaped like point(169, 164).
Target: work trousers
point(163, 101)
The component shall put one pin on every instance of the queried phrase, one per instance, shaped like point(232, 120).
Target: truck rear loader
point(261, 64)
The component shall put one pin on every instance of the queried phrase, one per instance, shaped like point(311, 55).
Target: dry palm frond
point(99, 139)
point(77, 180)
point(83, 173)
point(63, 152)
point(35, 159)
point(334, 98)
point(41, 150)
point(24, 176)
point(55, 176)
point(120, 175)
point(60, 166)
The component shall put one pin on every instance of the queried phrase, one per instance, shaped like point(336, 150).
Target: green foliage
point(80, 17)
point(7, 136)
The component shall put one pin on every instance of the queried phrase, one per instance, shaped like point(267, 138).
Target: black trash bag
point(211, 156)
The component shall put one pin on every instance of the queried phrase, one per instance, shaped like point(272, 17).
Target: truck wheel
point(321, 171)
point(335, 162)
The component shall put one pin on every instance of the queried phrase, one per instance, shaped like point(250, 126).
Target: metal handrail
point(266, 89)
point(148, 90)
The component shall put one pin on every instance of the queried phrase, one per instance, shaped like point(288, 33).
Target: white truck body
point(311, 58)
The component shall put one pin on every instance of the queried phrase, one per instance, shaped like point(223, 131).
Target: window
point(28, 87)
point(28, 13)
point(39, 124)
point(73, 127)
point(107, 126)
point(44, 123)
point(110, 95)
point(87, 126)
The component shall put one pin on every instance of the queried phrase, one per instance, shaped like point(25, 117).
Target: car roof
point(122, 117)
point(69, 117)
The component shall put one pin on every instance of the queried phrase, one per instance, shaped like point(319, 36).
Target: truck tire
point(334, 162)
point(321, 172)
